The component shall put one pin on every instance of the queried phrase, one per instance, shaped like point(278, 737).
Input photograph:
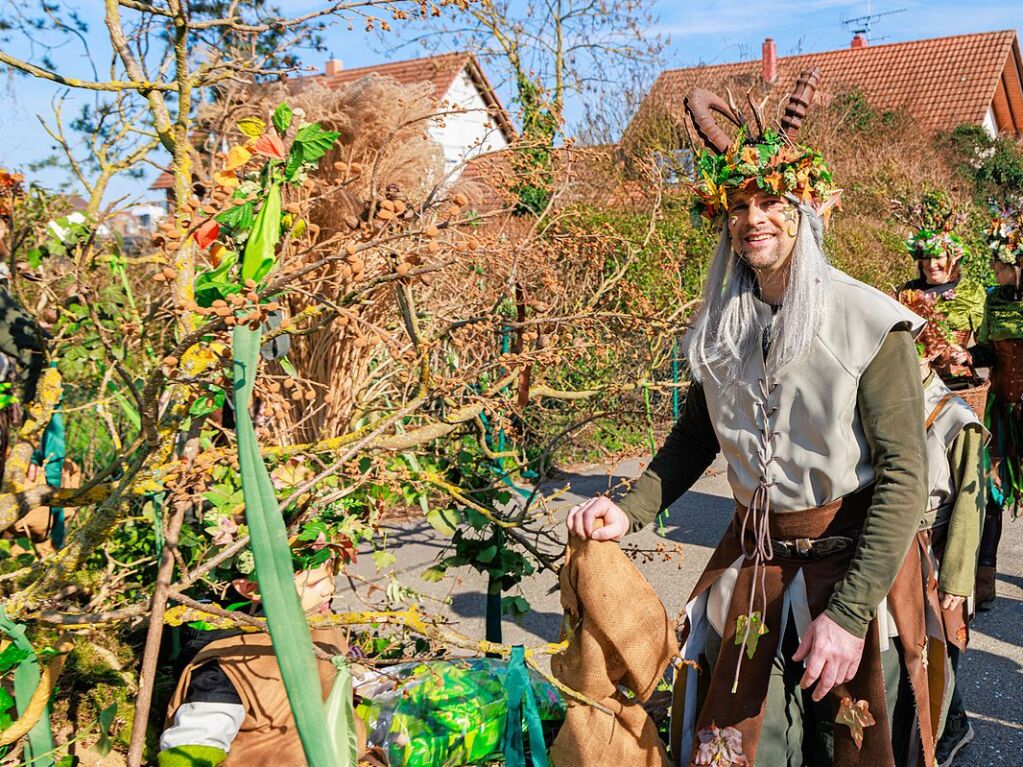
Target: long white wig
point(725, 331)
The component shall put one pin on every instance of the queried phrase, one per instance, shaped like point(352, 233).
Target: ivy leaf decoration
point(748, 630)
point(855, 715)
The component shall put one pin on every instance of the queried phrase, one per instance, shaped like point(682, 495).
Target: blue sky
point(713, 31)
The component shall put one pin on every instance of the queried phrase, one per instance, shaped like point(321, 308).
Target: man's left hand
point(832, 656)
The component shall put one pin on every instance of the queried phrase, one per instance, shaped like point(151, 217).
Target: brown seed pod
point(293, 207)
point(310, 395)
point(431, 231)
point(460, 199)
point(169, 273)
point(170, 362)
point(403, 268)
point(159, 277)
point(385, 215)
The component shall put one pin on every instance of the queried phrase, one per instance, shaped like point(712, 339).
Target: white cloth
point(204, 724)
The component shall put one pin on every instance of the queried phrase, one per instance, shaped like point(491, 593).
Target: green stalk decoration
point(261, 233)
point(341, 716)
point(40, 746)
point(289, 630)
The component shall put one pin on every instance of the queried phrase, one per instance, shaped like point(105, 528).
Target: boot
point(985, 590)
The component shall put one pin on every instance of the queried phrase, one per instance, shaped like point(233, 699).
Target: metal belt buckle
point(803, 546)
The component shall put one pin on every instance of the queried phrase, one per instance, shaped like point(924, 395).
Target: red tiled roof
point(941, 82)
point(440, 71)
point(164, 181)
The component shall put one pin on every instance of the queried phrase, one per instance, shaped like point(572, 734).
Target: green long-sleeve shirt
point(958, 569)
point(890, 405)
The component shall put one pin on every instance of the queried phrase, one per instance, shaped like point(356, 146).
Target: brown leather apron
point(744, 710)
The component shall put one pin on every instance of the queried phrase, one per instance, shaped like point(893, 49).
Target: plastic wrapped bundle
point(444, 713)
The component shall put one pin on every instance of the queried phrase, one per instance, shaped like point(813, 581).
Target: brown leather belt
point(811, 548)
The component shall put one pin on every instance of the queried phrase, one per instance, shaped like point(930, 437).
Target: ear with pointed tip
point(824, 211)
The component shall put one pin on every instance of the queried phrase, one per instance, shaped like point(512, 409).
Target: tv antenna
point(862, 25)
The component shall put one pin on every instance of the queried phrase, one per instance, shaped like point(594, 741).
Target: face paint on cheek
point(791, 221)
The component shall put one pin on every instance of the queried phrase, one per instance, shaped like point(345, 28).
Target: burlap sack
point(621, 635)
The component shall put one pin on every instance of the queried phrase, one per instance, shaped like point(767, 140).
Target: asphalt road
point(991, 670)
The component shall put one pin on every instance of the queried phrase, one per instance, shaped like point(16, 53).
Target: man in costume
point(949, 539)
point(810, 611)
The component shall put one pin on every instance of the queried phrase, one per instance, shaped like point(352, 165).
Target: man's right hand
point(581, 520)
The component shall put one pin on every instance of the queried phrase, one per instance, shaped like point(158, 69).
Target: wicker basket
point(975, 394)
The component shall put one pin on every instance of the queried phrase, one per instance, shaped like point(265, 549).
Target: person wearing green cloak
point(1000, 347)
point(955, 302)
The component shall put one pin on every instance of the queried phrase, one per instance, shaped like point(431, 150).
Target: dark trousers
point(991, 535)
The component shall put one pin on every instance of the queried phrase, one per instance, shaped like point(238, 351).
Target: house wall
point(470, 133)
point(990, 123)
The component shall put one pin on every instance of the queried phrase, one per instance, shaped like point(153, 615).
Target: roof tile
point(942, 82)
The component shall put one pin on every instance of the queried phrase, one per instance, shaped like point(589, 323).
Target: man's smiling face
point(762, 228)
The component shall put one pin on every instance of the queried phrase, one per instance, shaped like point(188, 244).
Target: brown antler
point(699, 104)
point(758, 113)
point(800, 99)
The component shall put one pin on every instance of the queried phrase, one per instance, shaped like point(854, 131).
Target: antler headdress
point(757, 156)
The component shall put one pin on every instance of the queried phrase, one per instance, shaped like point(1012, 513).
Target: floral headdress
point(757, 157)
point(928, 243)
point(1005, 233)
point(935, 218)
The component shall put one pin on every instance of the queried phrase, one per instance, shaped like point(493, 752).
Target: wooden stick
point(155, 633)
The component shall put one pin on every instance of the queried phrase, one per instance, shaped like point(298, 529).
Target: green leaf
point(289, 629)
point(218, 282)
point(106, 721)
point(383, 559)
point(252, 126)
point(287, 367)
point(514, 606)
point(208, 403)
point(487, 554)
point(340, 710)
point(296, 159)
point(315, 141)
point(261, 246)
point(282, 118)
point(433, 574)
point(443, 520)
point(12, 656)
point(748, 630)
point(239, 217)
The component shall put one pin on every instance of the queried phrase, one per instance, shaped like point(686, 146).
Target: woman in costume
point(1000, 347)
point(952, 303)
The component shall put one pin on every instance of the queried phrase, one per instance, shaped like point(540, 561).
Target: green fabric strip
point(520, 696)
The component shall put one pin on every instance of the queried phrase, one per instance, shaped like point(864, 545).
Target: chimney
point(859, 41)
point(770, 59)
point(333, 67)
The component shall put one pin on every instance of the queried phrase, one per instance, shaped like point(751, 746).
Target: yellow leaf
point(251, 126)
point(227, 179)
point(237, 156)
